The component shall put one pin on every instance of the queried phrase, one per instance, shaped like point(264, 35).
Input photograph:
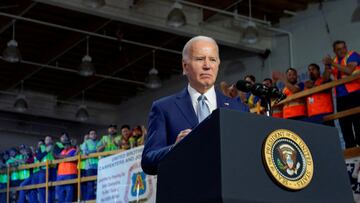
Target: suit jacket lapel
point(183, 102)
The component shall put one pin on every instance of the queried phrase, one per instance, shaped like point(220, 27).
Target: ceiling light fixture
point(82, 114)
point(94, 3)
point(86, 67)
point(176, 18)
point(20, 103)
point(250, 34)
point(153, 81)
point(11, 53)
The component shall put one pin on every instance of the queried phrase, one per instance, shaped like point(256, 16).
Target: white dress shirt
point(210, 98)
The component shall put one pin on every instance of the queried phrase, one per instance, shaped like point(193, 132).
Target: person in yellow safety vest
point(59, 146)
point(345, 64)
point(3, 176)
point(295, 109)
point(45, 153)
point(126, 142)
point(110, 141)
point(91, 164)
point(13, 161)
point(137, 137)
point(27, 176)
point(82, 165)
point(318, 104)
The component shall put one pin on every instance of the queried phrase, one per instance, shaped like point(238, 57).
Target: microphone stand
point(268, 110)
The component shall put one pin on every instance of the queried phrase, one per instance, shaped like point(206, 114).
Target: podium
point(222, 160)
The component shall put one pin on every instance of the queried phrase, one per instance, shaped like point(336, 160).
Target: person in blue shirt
point(345, 64)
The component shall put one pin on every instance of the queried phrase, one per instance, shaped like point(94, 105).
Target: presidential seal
point(288, 159)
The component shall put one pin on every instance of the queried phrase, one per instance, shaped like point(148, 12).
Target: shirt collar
point(210, 94)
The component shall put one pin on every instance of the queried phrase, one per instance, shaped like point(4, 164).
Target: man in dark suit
point(173, 117)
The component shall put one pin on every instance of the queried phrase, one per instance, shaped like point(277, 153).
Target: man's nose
point(206, 64)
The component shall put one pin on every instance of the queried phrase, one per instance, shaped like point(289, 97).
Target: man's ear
point(184, 66)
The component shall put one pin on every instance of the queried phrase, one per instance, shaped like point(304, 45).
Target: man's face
point(112, 131)
point(63, 138)
point(125, 132)
point(202, 64)
point(48, 140)
point(314, 73)
point(267, 83)
point(248, 79)
point(340, 50)
point(92, 135)
point(291, 76)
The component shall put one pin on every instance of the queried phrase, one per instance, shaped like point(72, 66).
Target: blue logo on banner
point(138, 184)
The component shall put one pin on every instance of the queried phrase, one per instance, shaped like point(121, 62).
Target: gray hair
point(186, 49)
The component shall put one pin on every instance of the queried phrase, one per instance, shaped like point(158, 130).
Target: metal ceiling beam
point(76, 72)
point(93, 82)
point(57, 51)
point(9, 24)
point(142, 14)
point(88, 33)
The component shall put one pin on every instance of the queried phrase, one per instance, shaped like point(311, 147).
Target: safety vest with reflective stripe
point(82, 164)
point(25, 173)
point(67, 168)
point(350, 86)
point(319, 103)
point(3, 178)
point(49, 156)
point(277, 111)
point(91, 146)
point(294, 108)
point(35, 170)
point(14, 174)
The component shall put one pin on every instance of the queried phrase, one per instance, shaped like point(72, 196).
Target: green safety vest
point(49, 156)
point(109, 145)
point(14, 174)
point(25, 173)
point(60, 145)
point(3, 178)
point(37, 169)
point(83, 161)
point(91, 146)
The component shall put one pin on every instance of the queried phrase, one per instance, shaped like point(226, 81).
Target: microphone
point(260, 90)
point(243, 86)
point(275, 92)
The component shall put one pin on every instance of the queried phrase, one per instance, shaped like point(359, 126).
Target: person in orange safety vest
point(318, 104)
point(295, 109)
point(345, 64)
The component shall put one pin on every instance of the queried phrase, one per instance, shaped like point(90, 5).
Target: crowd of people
point(315, 107)
point(48, 149)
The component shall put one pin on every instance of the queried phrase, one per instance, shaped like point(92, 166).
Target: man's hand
point(309, 84)
point(327, 60)
point(277, 75)
point(182, 134)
